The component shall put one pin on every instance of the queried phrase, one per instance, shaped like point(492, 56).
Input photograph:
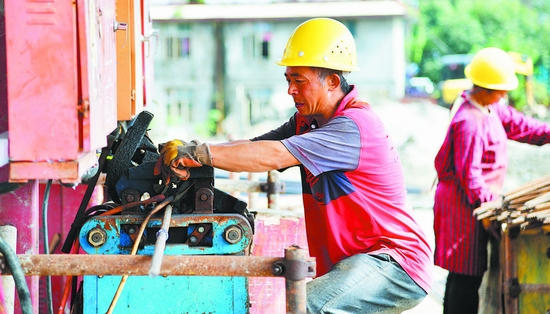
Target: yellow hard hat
point(323, 43)
point(492, 68)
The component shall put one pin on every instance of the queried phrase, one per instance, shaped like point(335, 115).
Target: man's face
point(496, 95)
point(309, 93)
point(487, 96)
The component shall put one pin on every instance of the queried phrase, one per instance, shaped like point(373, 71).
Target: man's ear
point(333, 81)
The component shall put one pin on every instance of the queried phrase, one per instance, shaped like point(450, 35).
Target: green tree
point(465, 26)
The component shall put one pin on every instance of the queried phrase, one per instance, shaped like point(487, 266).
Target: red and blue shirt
point(354, 193)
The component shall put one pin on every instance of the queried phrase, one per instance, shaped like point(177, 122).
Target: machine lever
point(162, 236)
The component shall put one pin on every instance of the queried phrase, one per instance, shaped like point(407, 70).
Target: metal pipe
point(252, 196)
point(535, 288)
point(46, 239)
point(295, 289)
point(138, 265)
point(273, 196)
point(135, 248)
point(123, 207)
point(510, 303)
point(162, 236)
point(235, 185)
point(21, 209)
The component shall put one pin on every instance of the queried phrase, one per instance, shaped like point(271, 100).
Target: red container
point(61, 86)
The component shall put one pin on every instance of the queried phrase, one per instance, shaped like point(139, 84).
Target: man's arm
point(248, 156)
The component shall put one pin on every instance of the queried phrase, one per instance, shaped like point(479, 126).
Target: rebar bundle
point(527, 206)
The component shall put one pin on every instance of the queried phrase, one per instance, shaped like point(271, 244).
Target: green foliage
point(517, 96)
point(465, 26)
point(541, 93)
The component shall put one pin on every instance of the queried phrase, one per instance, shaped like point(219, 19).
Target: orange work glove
point(177, 156)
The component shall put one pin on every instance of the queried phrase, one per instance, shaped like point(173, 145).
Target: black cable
point(18, 276)
point(78, 220)
point(96, 210)
point(46, 244)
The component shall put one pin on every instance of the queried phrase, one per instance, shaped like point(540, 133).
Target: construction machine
point(453, 81)
point(75, 83)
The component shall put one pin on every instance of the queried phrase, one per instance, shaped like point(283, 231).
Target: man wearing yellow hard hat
point(371, 255)
point(471, 166)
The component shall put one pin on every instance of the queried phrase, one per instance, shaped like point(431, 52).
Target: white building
point(223, 56)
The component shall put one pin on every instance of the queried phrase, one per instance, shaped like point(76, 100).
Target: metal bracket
point(204, 201)
point(293, 269)
point(119, 26)
point(514, 289)
point(272, 187)
point(514, 232)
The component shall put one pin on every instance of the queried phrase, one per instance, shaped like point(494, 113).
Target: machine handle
point(162, 236)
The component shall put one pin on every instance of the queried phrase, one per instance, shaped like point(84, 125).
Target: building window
point(259, 105)
point(178, 47)
point(256, 45)
point(266, 39)
point(179, 107)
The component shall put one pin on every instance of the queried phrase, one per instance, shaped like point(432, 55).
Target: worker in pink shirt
point(471, 167)
point(371, 255)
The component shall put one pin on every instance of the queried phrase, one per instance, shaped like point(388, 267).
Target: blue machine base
point(173, 294)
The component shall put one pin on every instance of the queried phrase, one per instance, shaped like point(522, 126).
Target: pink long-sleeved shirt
point(471, 167)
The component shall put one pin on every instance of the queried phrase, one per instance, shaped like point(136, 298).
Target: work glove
point(177, 156)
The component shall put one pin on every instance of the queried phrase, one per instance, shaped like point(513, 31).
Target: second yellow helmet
point(323, 43)
point(492, 68)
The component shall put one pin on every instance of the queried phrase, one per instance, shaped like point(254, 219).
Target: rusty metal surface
point(113, 227)
point(507, 258)
point(272, 191)
point(123, 207)
point(68, 171)
point(236, 185)
point(532, 280)
point(204, 201)
point(138, 265)
point(295, 289)
point(20, 209)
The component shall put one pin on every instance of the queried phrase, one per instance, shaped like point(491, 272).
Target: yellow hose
point(134, 250)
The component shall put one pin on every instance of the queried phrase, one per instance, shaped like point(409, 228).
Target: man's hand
point(177, 156)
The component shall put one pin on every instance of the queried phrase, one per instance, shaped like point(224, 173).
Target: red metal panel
point(61, 106)
point(63, 203)
point(42, 81)
point(272, 235)
point(69, 171)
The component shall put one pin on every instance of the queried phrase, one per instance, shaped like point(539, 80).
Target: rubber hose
point(46, 238)
point(19, 277)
